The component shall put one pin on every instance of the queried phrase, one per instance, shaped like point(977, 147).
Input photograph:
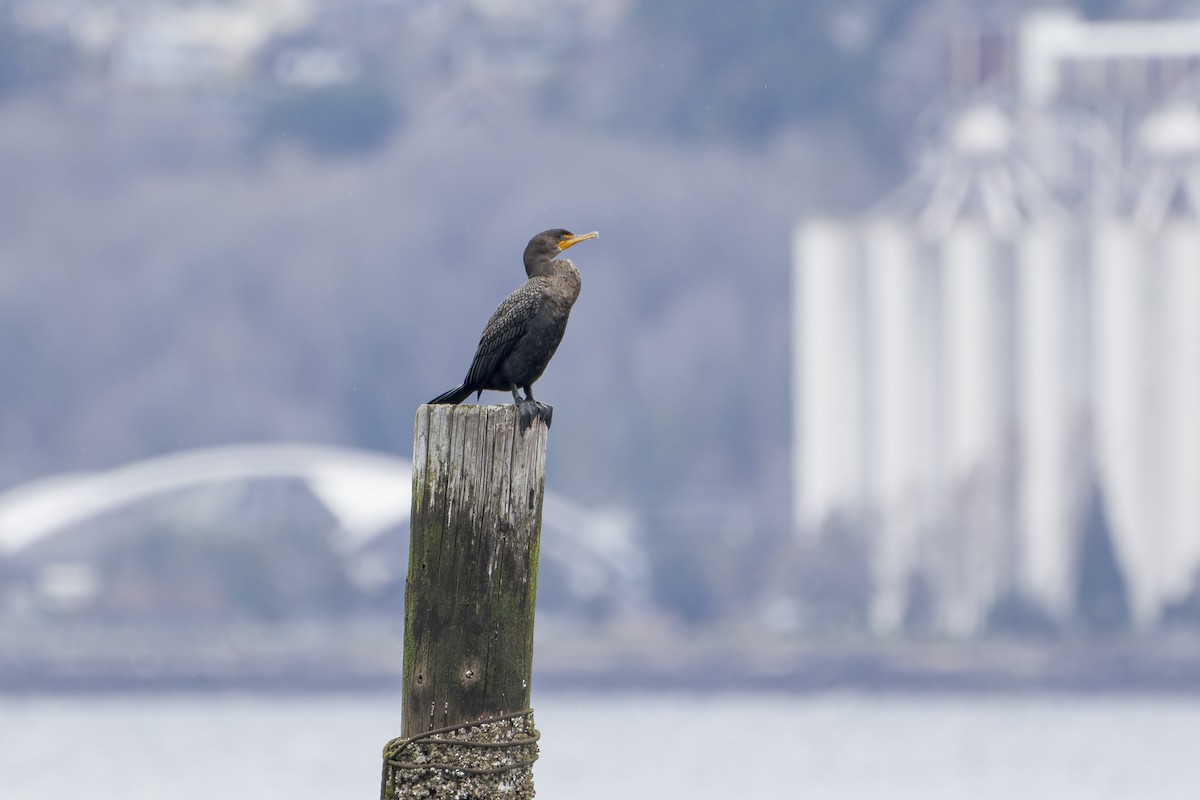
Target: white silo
point(1051, 402)
point(901, 359)
point(971, 328)
point(976, 307)
point(828, 393)
point(1167, 211)
point(1179, 300)
point(1146, 364)
point(1120, 302)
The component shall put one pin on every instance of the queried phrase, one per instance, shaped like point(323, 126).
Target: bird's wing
point(502, 332)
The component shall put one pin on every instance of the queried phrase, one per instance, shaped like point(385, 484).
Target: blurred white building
point(62, 537)
point(1020, 319)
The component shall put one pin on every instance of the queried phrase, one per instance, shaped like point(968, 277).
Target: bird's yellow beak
point(570, 241)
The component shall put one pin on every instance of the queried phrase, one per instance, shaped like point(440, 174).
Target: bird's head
point(548, 245)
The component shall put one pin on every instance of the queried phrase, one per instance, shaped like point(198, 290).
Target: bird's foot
point(529, 410)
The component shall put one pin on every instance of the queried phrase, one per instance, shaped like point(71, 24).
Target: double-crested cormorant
point(525, 330)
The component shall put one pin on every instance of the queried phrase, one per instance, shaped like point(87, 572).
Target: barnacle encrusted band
point(485, 759)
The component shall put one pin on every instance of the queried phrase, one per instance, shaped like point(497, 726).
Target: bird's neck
point(539, 266)
point(548, 268)
point(563, 275)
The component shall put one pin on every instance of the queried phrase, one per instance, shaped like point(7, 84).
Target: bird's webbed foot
point(528, 410)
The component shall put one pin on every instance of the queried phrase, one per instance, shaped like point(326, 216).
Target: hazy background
point(287, 221)
point(271, 222)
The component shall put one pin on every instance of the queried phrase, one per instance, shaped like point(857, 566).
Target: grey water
point(662, 746)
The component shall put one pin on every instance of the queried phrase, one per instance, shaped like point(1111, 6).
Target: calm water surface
point(859, 747)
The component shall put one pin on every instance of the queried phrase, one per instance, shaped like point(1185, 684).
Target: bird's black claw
point(526, 411)
point(529, 410)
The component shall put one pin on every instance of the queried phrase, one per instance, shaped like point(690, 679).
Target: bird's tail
point(452, 397)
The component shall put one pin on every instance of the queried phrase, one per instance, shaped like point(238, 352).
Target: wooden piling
point(472, 568)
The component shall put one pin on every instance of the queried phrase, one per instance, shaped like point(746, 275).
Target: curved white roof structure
point(367, 493)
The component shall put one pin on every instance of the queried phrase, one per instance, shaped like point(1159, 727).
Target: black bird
point(523, 333)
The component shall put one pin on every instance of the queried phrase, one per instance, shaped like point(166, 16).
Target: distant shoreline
point(1131, 666)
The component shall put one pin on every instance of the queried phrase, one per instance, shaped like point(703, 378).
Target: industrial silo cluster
point(1006, 345)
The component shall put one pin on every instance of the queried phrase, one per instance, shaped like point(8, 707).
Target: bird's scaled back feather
point(503, 330)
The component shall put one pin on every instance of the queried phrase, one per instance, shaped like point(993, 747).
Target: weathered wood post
point(467, 728)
